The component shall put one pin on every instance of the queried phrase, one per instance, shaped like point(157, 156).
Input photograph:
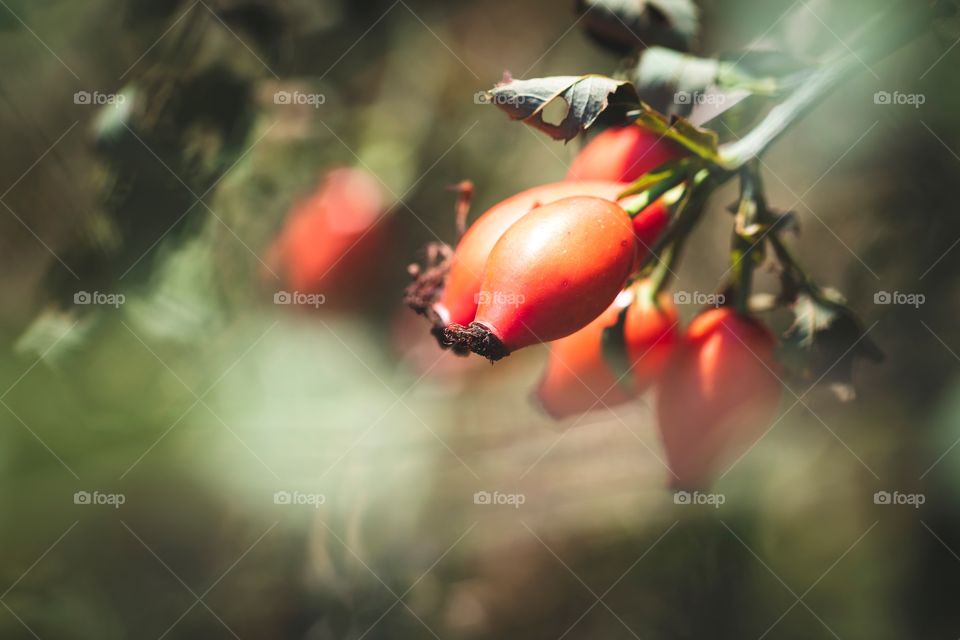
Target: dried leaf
point(825, 341)
point(702, 89)
point(702, 142)
point(585, 99)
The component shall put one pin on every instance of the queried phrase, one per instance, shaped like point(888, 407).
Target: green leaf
point(655, 184)
point(759, 70)
point(705, 88)
point(701, 142)
point(662, 69)
point(585, 98)
point(628, 26)
point(825, 341)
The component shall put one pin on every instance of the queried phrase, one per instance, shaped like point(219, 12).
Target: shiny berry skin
point(555, 270)
point(579, 379)
point(719, 394)
point(623, 154)
point(458, 302)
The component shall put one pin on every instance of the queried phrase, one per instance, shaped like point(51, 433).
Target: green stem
point(734, 155)
point(691, 210)
point(804, 283)
point(655, 192)
point(664, 270)
point(892, 33)
point(743, 278)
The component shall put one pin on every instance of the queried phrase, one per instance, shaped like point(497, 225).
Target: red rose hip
point(458, 302)
point(553, 271)
point(623, 154)
point(578, 377)
point(718, 395)
point(328, 242)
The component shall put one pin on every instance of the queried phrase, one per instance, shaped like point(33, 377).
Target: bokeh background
point(198, 399)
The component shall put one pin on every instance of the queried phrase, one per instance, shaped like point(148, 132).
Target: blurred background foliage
point(199, 398)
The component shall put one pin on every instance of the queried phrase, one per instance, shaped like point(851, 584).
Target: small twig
point(750, 216)
point(464, 190)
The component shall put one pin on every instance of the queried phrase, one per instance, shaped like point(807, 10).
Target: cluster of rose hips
point(561, 264)
point(583, 264)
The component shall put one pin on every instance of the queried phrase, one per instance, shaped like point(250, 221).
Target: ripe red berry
point(553, 271)
point(326, 241)
point(458, 302)
point(578, 377)
point(623, 154)
point(718, 395)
